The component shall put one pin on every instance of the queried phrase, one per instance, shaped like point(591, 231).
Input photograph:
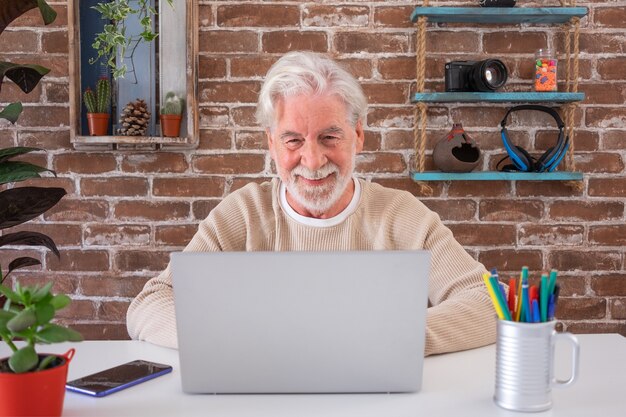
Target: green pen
point(552, 282)
point(496, 289)
point(543, 298)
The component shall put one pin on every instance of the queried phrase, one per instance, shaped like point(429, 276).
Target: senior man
point(313, 112)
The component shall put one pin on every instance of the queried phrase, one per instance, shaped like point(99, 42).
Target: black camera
point(487, 75)
point(497, 3)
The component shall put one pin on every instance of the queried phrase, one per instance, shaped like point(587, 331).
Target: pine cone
point(134, 119)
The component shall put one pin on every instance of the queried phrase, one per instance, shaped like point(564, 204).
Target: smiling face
point(314, 146)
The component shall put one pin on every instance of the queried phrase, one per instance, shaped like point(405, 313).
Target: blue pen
point(551, 308)
point(526, 313)
point(536, 314)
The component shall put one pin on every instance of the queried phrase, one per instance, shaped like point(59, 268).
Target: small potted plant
point(97, 104)
point(33, 384)
point(171, 115)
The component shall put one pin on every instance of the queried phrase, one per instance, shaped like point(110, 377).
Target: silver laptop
point(301, 322)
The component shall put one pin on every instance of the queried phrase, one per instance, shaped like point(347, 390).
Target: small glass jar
point(545, 70)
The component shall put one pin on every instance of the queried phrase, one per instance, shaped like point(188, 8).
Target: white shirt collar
point(310, 221)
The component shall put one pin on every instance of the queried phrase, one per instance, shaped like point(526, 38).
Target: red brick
point(388, 117)
point(205, 15)
point(607, 187)
point(351, 42)
point(359, 68)
point(252, 66)
point(510, 210)
point(617, 308)
point(386, 93)
point(332, 16)
point(606, 118)
point(250, 140)
point(176, 235)
point(597, 327)
point(11, 92)
point(141, 260)
point(610, 17)
point(78, 310)
point(546, 188)
point(62, 283)
point(80, 210)
point(202, 208)
point(511, 259)
point(114, 186)
point(411, 186)
point(476, 116)
point(54, 42)
point(151, 211)
point(50, 140)
point(102, 331)
point(513, 42)
point(33, 18)
point(572, 285)
point(258, 15)
point(244, 116)
point(372, 141)
point(18, 41)
point(581, 308)
point(109, 235)
point(584, 260)
point(380, 163)
point(584, 140)
point(111, 285)
point(154, 162)
point(614, 139)
point(275, 42)
point(188, 187)
point(66, 183)
point(210, 67)
point(84, 163)
point(440, 41)
point(58, 67)
point(44, 116)
point(585, 210)
point(480, 234)
point(404, 68)
point(79, 260)
point(228, 41)
point(452, 210)
point(612, 68)
point(393, 17)
point(214, 117)
point(62, 234)
point(604, 93)
point(609, 285)
point(229, 163)
point(113, 310)
point(609, 235)
point(215, 139)
point(550, 235)
point(479, 188)
point(229, 91)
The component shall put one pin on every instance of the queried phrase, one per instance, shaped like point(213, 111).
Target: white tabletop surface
point(457, 384)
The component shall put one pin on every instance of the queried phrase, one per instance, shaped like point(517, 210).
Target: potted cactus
point(171, 115)
point(97, 104)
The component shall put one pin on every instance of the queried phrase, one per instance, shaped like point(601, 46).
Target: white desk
point(457, 384)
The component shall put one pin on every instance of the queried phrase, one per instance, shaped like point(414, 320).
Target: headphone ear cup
point(520, 158)
point(527, 159)
point(547, 156)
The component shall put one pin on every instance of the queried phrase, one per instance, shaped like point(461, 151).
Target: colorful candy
point(545, 72)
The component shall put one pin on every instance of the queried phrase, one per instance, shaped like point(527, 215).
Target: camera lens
point(489, 75)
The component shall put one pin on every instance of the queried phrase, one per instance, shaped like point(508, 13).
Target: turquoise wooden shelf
point(496, 176)
point(529, 97)
point(499, 14)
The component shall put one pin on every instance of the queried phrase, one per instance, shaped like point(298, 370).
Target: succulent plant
point(173, 104)
point(99, 101)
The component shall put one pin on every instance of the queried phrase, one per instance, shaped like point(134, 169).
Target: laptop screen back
point(301, 322)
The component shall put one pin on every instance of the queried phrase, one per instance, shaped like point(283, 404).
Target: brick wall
point(127, 210)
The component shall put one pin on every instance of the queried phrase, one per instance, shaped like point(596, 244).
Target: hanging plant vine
point(113, 42)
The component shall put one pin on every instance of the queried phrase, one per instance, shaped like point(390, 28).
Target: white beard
point(318, 199)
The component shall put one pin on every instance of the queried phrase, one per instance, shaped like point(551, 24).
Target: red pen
point(512, 303)
point(533, 293)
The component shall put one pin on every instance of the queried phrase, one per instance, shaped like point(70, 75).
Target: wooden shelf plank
point(499, 14)
point(505, 97)
point(130, 140)
point(496, 176)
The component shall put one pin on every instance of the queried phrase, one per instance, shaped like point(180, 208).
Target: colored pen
point(500, 298)
point(492, 295)
point(544, 297)
point(536, 314)
point(552, 282)
point(525, 307)
point(523, 274)
point(551, 308)
point(512, 304)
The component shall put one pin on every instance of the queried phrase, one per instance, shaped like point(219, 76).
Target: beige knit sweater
point(251, 219)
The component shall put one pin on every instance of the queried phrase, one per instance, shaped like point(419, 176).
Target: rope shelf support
point(419, 128)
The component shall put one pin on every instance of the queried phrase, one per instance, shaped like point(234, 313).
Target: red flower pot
point(170, 125)
point(98, 123)
point(35, 393)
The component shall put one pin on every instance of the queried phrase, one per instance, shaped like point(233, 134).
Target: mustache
point(328, 169)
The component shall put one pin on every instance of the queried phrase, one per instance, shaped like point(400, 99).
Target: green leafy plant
point(26, 316)
point(25, 76)
point(173, 104)
point(113, 42)
point(99, 101)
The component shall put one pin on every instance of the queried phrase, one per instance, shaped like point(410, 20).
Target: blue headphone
point(522, 160)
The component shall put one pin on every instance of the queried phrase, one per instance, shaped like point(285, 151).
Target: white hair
point(307, 72)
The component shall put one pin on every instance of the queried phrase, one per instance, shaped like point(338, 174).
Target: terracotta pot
point(35, 393)
point(98, 123)
point(170, 125)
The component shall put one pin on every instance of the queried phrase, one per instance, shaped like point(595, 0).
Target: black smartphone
point(117, 378)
